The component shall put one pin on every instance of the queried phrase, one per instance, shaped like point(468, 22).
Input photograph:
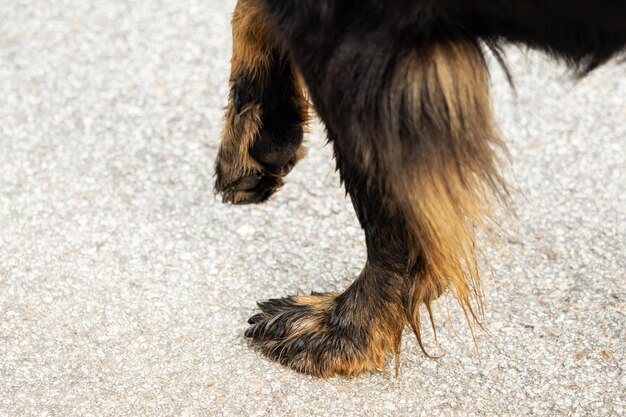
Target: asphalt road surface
point(125, 285)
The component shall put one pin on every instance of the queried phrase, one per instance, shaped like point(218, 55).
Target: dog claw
point(255, 319)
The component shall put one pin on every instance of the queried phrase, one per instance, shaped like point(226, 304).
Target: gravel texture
point(125, 285)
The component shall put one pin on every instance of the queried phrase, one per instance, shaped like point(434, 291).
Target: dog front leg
point(266, 113)
point(414, 139)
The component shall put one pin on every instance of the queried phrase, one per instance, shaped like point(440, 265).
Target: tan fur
point(349, 359)
point(252, 57)
point(417, 148)
point(440, 181)
point(444, 196)
point(252, 46)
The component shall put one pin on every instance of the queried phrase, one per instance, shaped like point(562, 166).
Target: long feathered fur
point(403, 90)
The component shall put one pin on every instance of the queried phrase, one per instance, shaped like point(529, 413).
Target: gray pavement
point(125, 285)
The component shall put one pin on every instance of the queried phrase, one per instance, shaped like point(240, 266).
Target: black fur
point(368, 66)
point(282, 122)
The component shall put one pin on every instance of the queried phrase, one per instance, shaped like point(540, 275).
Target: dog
point(403, 90)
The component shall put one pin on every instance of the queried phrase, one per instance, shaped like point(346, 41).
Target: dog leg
point(262, 137)
point(414, 140)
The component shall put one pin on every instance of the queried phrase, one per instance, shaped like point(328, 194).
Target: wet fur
point(403, 90)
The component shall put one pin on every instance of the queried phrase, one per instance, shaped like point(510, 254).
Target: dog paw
point(248, 181)
point(313, 335)
point(249, 189)
point(261, 143)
